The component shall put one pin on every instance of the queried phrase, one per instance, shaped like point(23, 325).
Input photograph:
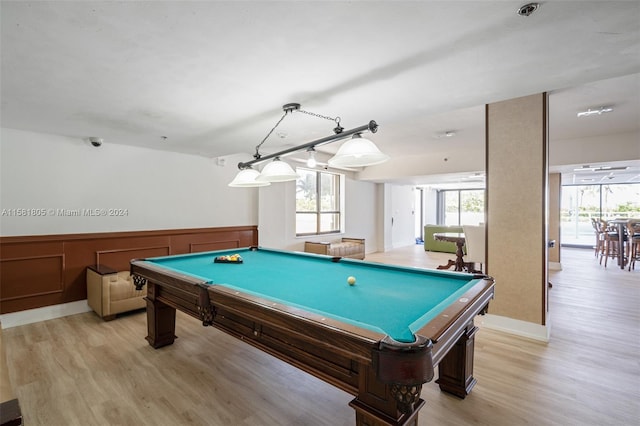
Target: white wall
point(601, 148)
point(419, 164)
point(277, 210)
point(403, 213)
point(154, 189)
point(430, 206)
point(363, 214)
point(387, 232)
point(398, 216)
point(276, 217)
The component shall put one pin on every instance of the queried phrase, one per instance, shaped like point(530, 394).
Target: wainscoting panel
point(120, 258)
point(210, 246)
point(34, 271)
point(31, 276)
point(208, 241)
point(44, 270)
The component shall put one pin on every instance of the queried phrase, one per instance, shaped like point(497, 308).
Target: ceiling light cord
point(337, 130)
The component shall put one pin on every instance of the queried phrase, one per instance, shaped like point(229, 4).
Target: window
point(461, 207)
point(580, 203)
point(318, 206)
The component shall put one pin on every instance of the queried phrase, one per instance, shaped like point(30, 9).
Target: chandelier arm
point(257, 154)
point(372, 127)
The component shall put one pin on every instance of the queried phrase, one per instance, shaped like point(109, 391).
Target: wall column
point(517, 194)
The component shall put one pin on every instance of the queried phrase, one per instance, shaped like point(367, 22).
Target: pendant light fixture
point(246, 178)
point(356, 152)
point(311, 159)
point(277, 171)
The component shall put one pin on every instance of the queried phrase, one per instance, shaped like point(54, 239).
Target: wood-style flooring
point(79, 370)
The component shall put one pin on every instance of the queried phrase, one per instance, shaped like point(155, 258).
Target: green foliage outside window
point(462, 206)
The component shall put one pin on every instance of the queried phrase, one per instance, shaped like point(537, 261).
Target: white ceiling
point(211, 77)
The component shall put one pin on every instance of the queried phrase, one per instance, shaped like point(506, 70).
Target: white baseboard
point(516, 327)
point(15, 319)
point(555, 266)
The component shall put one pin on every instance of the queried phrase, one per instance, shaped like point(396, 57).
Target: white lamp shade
point(246, 178)
point(277, 171)
point(358, 152)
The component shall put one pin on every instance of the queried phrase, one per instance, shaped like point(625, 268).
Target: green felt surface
point(391, 299)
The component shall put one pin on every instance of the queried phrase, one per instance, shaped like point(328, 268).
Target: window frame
point(441, 205)
point(338, 200)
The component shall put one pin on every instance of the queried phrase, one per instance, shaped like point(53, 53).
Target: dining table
point(621, 225)
point(459, 239)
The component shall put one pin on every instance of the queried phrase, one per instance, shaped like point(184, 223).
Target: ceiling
point(210, 78)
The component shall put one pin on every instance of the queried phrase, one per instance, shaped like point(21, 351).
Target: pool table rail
point(442, 329)
point(345, 339)
point(181, 287)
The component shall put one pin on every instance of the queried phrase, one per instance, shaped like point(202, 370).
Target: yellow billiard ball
point(351, 280)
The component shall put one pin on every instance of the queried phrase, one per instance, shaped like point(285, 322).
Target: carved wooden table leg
point(455, 371)
point(161, 319)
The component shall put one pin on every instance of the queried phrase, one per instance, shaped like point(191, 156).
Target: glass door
point(580, 203)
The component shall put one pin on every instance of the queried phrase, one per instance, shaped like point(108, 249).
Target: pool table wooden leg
point(455, 371)
point(161, 320)
point(376, 404)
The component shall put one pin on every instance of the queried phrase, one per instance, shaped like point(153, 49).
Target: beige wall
point(516, 206)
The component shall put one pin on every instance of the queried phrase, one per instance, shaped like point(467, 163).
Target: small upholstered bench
point(346, 247)
point(111, 292)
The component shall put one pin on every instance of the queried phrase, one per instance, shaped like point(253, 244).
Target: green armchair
point(442, 246)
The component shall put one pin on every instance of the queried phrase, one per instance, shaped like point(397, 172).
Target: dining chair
point(597, 229)
point(610, 243)
point(633, 245)
point(475, 241)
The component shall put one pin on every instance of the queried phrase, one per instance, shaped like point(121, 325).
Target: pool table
point(378, 339)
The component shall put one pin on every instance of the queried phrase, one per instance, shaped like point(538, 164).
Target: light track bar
point(371, 127)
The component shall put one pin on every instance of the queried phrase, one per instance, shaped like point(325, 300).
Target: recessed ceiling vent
point(528, 9)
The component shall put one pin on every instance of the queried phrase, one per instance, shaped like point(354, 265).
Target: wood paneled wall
point(44, 270)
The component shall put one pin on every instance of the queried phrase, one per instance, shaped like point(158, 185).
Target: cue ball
point(351, 280)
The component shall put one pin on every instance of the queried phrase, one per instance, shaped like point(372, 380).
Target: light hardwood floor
point(80, 370)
